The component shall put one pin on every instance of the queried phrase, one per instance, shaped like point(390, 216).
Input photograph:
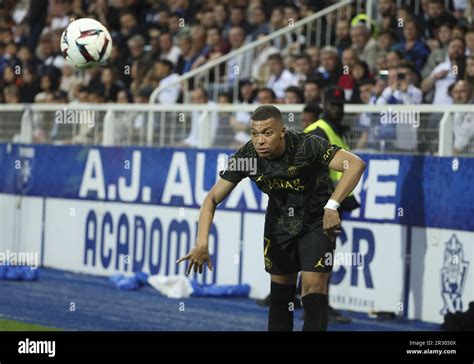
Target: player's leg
point(316, 256)
point(282, 263)
point(282, 295)
point(315, 301)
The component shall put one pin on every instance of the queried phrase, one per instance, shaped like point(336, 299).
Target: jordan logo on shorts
point(319, 263)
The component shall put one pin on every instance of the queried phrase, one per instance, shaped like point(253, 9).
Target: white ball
point(86, 43)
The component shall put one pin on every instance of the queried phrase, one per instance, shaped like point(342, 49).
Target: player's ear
point(283, 131)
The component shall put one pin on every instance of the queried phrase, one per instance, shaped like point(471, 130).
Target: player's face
point(334, 111)
point(267, 137)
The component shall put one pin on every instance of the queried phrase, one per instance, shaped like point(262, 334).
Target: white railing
point(173, 125)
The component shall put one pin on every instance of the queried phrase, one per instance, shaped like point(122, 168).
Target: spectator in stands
point(199, 96)
point(302, 68)
point(386, 8)
point(11, 94)
point(469, 39)
point(364, 45)
point(360, 71)
point(198, 41)
point(35, 19)
point(129, 27)
point(48, 85)
point(51, 62)
point(258, 21)
point(163, 70)
point(266, 96)
point(438, 55)
point(400, 91)
point(167, 49)
point(312, 92)
point(69, 80)
point(385, 41)
point(177, 27)
point(186, 58)
point(394, 58)
point(346, 81)
point(404, 14)
point(236, 19)
point(343, 36)
point(25, 58)
point(154, 37)
point(367, 123)
point(224, 133)
point(259, 66)
point(280, 78)
point(413, 48)
point(215, 47)
point(311, 113)
point(238, 67)
point(30, 86)
point(330, 69)
point(207, 21)
point(136, 47)
point(437, 15)
point(469, 74)
point(463, 125)
point(445, 73)
point(220, 15)
point(314, 54)
point(293, 95)
point(109, 87)
point(247, 91)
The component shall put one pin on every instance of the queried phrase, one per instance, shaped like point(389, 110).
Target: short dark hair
point(166, 63)
point(367, 81)
point(275, 57)
point(313, 81)
point(459, 39)
point(269, 90)
point(266, 112)
point(313, 109)
point(297, 91)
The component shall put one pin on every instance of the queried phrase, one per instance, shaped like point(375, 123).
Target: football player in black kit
point(302, 220)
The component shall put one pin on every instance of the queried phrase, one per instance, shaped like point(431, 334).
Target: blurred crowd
point(407, 54)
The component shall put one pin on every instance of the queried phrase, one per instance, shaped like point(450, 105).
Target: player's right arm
point(199, 254)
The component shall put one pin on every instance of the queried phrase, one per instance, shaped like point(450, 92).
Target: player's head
point(333, 105)
point(267, 131)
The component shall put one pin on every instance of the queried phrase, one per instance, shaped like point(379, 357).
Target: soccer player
point(302, 220)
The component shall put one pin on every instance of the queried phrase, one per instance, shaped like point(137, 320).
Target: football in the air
point(86, 43)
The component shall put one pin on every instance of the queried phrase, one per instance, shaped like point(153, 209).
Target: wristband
point(332, 204)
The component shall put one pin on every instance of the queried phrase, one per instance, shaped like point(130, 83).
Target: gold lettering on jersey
point(328, 153)
point(281, 184)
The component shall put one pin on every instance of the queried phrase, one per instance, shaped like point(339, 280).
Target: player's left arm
point(352, 168)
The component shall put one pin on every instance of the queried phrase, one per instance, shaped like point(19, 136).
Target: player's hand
point(331, 223)
point(198, 256)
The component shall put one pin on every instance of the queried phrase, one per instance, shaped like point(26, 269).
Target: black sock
point(316, 312)
point(280, 317)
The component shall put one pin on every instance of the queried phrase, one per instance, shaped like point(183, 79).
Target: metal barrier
point(372, 128)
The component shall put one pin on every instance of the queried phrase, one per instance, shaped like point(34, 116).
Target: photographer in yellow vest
point(330, 127)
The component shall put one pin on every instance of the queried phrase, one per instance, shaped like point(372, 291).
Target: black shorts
point(286, 254)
